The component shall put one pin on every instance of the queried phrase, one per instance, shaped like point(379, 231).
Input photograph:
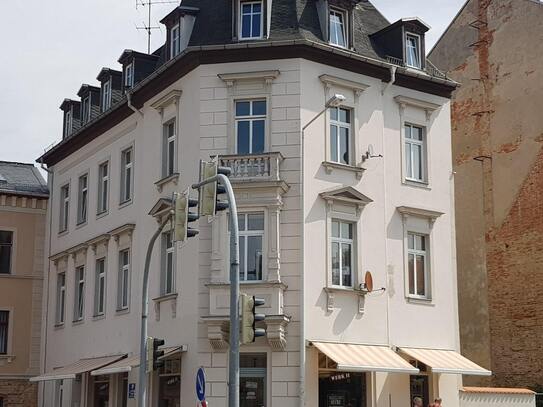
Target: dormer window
point(129, 76)
point(106, 95)
point(175, 44)
point(68, 122)
point(85, 110)
point(338, 28)
point(251, 20)
point(412, 51)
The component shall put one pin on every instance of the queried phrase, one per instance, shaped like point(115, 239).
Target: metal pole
point(233, 362)
point(142, 390)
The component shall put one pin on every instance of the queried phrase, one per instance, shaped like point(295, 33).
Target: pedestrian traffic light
point(183, 216)
point(154, 354)
point(209, 204)
point(249, 318)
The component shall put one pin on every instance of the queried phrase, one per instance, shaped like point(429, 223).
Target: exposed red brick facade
point(19, 393)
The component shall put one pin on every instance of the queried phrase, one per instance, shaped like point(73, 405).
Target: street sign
point(132, 390)
point(201, 385)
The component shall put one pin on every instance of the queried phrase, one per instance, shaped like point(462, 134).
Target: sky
point(50, 48)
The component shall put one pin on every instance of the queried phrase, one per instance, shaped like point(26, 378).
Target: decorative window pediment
point(231, 78)
point(428, 107)
point(169, 98)
point(347, 195)
point(162, 207)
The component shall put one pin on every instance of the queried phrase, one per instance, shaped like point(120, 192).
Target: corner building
point(338, 134)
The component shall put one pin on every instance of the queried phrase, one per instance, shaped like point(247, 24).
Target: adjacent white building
point(326, 194)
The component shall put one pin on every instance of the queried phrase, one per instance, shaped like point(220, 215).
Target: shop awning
point(77, 368)
point(446, 361)
point(131, 362)
point(365, 358)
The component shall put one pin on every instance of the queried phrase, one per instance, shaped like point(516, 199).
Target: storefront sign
point(340, 376)
point(131, 390)
point(336, 400)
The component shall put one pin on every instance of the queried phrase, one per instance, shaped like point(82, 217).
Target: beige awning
point(77, 368)
point(131, 362)
point(365, 358)
point(446, 361)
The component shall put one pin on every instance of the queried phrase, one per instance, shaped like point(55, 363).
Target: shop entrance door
point(252, 380)
point(101, 391)
point(420, 388)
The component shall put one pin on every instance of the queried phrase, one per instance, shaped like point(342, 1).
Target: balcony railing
point(253, 167)
point(430, 68)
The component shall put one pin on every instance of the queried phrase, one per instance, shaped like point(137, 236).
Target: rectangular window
point(251, 17)
point(340, 388)
point(420, 387)
point(338, 32)
point(106, 95)
point(252, 379)
point(123, 283)
point(79, 296)
point(168, 264)
point(250, 126)
point(340, 135)
point(175, 41)
point(251, 235)
point(61, 297)
point(127, 170)
point(412, 51)
point(415, 153)
point(64, 207)
point(68, 122)
point(83, 199)
point(342, 253)
point(169, 383)
point(85, 110)
point(129, 76)
point(103, 187)
point(169, 149)
point(6, 251)
point(100, 287)
point(4, 331)
point(417, 265)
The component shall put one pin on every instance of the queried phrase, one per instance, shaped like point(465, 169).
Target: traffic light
point(183, 216)
point(154, 354)
point(209, 204)
point(249, 318)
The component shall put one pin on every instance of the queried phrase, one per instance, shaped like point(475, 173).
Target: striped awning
point(77, 368)
point(446, 361)
point(365, 358)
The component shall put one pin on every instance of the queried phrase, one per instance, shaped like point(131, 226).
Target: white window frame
point(64, 216)
point(168, 140)
point(423, 153)
point(167, 251)
point(334, 11)
point(68, 122)
point(79, 294)
point(240, 25)
point(339, 125)
point(11, 249)
point(103, 188)
point(82, 199)
point(123, 302)
point(127, 167)
point(418, 50)
point(61, 299)
point(100, 289)
point(245, 234)
point(85, 109)
point(129, 75)
point(250, 118)
point(175, 40)
point(425, 254)
point(106, 95)
point(341, 241)
point(9, 330)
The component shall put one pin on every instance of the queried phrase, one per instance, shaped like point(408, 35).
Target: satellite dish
point(368, 282)
point(370, 150)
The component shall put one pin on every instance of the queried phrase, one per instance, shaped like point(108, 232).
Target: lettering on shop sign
point(340, 376)
point(336, 400)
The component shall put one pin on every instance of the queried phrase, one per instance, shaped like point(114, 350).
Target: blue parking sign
point(201, 384)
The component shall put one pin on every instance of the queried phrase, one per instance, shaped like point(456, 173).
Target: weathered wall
point(494, 49)
point(19, 393)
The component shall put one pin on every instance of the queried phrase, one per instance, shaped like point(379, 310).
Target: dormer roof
point(68, 103)
point(129, 54)
point(105, 73)
point(85, 89)
point(179, 11)
point(415, 21)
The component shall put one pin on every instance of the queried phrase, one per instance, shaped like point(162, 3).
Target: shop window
point(250, 126)
point(170, 383)
point(6, 248)
point(101, 391)
point(340, 389)
point(252, 379)
point(419, 388)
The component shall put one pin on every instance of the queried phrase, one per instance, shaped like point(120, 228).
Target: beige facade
point(21, 287)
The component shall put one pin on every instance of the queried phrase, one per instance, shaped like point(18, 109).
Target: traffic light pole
point(233, 362)
point(142, 390)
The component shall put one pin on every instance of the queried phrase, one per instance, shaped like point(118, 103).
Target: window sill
point(420, 301)
point(98, 317)
point(62, 233)
point(6, 359)
point(165, 297)
point(78, 321)
point(253, 283)
point(102, 214)
point(171, 298)
point(81, 225)
point(125, 203)
point(122, 311)
point(416, 184)
point(329, 166)
point(333, 290)
point(59, 325)
point(161, 183)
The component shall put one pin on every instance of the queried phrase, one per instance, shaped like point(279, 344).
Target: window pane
point(125, 288)
point(344, 145)
point(6, 237)
point(259, 108)
point(128, 184)
point(243, 137)
point(101, 295)
point(422, 243)
point(256, 22)
point(346, 230)
point(417, 161)
point(243, 108)
point(335, 263)
point(407, 131)
point(255, 221)
point(416, 133)
point(241, 222)
point(257, 8)
point(258, 136)
point(335, 228)
point(246, 26)
point(254, 258)
point(5, 259)
point(408, 161)
point(346, 264)
point(333, 143)
point(411, 241)
point(421, 286)
point(169, 273)
point(171, 157)
point(242, 266)
point(345, 115)
point(411, 272)
point(333, 113)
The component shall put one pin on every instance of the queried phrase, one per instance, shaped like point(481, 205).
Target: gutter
point(130, 105)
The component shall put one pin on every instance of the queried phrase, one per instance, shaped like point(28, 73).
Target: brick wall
point(19, 393)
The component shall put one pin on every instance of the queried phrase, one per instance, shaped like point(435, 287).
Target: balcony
point(253, 167)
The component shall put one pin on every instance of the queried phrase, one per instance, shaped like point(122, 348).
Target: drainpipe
point(130, 105)
point(393, 69)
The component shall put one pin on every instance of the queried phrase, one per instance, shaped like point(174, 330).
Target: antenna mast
point(147, 26)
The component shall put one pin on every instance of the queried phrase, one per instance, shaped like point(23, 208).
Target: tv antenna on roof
point(148, 27)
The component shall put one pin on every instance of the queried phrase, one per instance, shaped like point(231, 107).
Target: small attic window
point(412, 51)
point(175, 41)
point(338, 27)
point(85, 110)
point(251, 20)
point(68, 123)
point(106, 95)
point(129, 76)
